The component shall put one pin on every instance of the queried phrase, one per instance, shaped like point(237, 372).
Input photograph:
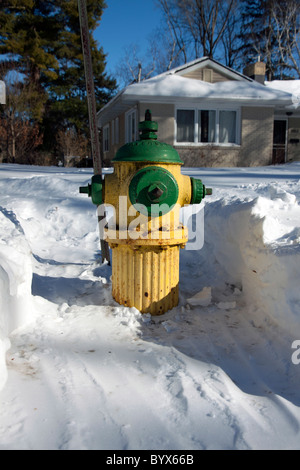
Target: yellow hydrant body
point(145, 254)
point(146, 191)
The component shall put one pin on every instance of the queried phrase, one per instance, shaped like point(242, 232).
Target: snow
point(220, 371)
point(202, 298)
point(287, 86)
point(173, 85)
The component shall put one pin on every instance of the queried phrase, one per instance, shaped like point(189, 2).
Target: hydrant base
point(146, 277)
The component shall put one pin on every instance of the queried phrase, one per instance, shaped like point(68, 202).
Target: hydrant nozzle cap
point(94, 190)
point(153, 191)
point(199, 191)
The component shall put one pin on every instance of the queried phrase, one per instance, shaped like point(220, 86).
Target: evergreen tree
point(256, 32)
point(42, 39)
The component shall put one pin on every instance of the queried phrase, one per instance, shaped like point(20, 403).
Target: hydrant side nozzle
point(94, 190)
point(85, 189)
point(199, 191)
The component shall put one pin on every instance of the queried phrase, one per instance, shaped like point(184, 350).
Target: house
point(211, 114)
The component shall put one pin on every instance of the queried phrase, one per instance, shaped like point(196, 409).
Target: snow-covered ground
point(220, 371)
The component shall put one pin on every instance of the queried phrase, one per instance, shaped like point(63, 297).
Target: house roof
point(288, 86)
point(204, 62)
point(173, 87)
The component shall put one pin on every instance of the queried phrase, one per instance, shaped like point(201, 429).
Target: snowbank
point(257, 244)
point(15, 282)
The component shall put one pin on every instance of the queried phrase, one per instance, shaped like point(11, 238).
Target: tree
point(19, 130)
point(231, 54)
point(270, 31)
point(191, 29)
point(198, 25)
point(175, 31)
point(286, 19)
point(257, 34)
point(72, 144)
point(42, 38)
point(135, 66)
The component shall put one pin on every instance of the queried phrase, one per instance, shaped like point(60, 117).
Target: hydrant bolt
point(155, 191)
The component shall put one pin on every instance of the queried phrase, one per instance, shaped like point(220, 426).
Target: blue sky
point(126, 22)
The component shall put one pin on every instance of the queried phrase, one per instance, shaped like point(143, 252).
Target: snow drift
point(257, 243)
point(15, 282)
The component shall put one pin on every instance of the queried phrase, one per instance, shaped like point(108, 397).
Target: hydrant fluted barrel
point(147, 190)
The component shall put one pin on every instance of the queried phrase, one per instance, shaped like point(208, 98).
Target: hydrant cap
point(153, 191)
point(147, 149)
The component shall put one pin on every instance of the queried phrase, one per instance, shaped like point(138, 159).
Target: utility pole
point(90, 90)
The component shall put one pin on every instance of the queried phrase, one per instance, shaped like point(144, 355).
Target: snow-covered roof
point(177, 86)
point(288, 86)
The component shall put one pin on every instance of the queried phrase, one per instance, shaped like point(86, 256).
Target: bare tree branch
point(286, 18)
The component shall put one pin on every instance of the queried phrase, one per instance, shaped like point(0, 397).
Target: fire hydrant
point(146, 191)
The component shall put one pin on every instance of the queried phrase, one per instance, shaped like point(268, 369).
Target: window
point(206, 126)
point(227, 127)
point(201, 126)
point(115, 131)
point(106, 138)
point(185, 125)
point(130, 126)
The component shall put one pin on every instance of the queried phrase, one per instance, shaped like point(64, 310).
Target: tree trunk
point(13, 142)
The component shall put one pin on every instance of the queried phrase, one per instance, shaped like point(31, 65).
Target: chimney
point(256, 71)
